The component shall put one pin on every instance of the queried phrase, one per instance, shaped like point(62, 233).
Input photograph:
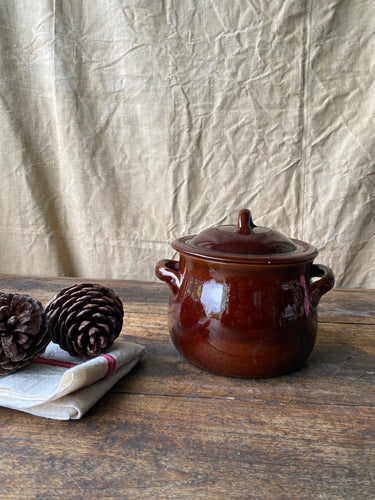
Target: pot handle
point(168, 270)
point(322, 286)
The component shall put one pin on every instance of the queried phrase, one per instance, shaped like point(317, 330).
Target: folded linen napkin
point(59, 386)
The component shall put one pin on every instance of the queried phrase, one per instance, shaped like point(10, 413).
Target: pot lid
point(245, 243)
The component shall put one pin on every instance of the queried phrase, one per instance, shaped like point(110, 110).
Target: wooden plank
point(138, 296)
point(348, 306)
point(340, 369)
point(170, 447)
point(339, 305)
point(170, 430)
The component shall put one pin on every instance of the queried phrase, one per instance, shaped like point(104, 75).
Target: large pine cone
point(85, 319)
point(24, 333)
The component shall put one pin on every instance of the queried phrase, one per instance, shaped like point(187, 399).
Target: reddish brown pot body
point(243, 299)
point(241, 320)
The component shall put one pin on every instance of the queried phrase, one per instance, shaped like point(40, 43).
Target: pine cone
point(85, 319)
point(24, 333)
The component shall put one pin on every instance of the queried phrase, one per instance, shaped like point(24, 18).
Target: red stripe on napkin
point(55, 362)
point(111, 361)
point(111, 364)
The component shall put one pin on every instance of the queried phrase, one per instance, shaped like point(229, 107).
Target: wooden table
point(171, 431)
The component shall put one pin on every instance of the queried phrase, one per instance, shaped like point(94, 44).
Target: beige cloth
point(127, 124)
point(63, 387)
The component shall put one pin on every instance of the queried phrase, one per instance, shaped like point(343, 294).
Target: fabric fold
point(59, 386)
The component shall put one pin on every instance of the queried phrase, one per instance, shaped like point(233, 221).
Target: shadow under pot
point(243, 299)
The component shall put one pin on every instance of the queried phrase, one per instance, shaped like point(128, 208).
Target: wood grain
point(166, 447)
point(171, 431)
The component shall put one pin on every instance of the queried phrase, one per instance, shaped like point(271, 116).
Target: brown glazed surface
point(244, 315)
point(245, 321)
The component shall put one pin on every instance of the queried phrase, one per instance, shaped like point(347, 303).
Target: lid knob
point(245, 222)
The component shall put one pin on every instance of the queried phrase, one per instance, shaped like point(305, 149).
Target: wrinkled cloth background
point(128, 123)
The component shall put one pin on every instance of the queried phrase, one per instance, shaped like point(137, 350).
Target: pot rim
point(304, 252)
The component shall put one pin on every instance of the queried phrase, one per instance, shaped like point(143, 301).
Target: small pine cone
point(24, 333)
point(85, 319)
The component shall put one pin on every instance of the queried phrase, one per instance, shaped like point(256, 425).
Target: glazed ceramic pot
point(244, 299)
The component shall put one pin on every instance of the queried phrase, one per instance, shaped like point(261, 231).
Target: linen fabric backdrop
point(128, 123)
